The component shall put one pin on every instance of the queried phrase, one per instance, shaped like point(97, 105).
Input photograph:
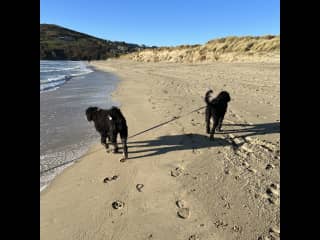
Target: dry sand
point(229, 188)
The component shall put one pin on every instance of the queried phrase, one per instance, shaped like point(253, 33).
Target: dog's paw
point(211, 138)
point(115, 151)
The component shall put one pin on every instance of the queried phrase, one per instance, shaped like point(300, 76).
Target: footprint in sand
point(139, 187)
point(227, 205)
point(117, 204)
point(180, 203)
point(194, 237)
point(269, 166)
point(274, 201)
point(183, 211)
point(236, 229)
point(108, 179)
point(176, 172)
point(272, 190)
point(274, 232)
point(221, 224)
point(273, 193)
point(250, 169)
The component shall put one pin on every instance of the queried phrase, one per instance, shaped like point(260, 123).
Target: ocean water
point(55, 73)
point(67, 89)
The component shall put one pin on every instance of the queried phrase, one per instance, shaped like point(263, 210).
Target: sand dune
point(191, 188)
point(229, 49)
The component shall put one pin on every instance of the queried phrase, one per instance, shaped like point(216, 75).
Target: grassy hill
point(59, 43)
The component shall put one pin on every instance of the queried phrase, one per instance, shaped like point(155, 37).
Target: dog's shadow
point(165, 144)
point(251, 129)
point(194, 142)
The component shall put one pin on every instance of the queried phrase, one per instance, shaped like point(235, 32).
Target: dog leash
point(164, 123)
point(137, 134)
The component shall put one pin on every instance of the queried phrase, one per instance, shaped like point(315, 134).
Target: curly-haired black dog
point(216, 108)
point(110, 122)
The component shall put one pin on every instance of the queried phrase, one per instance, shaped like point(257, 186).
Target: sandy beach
point(192, 188)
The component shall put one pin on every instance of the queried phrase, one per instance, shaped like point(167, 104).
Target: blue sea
point(67, 89)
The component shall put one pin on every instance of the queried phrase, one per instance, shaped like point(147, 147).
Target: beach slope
point(192, 188)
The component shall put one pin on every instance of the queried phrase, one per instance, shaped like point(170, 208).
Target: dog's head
point(91, 113)
point(224, 96)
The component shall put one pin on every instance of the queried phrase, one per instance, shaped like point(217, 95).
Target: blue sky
point(164, 22)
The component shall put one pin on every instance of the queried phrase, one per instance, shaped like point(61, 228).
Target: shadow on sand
point(165, 144)
point(252, 129)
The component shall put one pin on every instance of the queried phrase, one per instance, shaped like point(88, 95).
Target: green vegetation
point(58, 43)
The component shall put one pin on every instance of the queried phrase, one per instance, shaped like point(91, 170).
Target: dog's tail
point(209, 96)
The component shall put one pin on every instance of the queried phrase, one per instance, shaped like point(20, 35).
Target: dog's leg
point(107, 140)
point(220, 123)
point(215, 122)
point(208, 115)
point(104, 141)
point(114, 142)
point(125, 148)
point(218, 129)
point(116, 148)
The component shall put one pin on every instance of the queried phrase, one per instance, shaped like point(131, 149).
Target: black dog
point(110, 122)
point(216, 108)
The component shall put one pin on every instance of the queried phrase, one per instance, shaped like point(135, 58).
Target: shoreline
point(70, 137)
point(92, 147)
point(223, 188)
